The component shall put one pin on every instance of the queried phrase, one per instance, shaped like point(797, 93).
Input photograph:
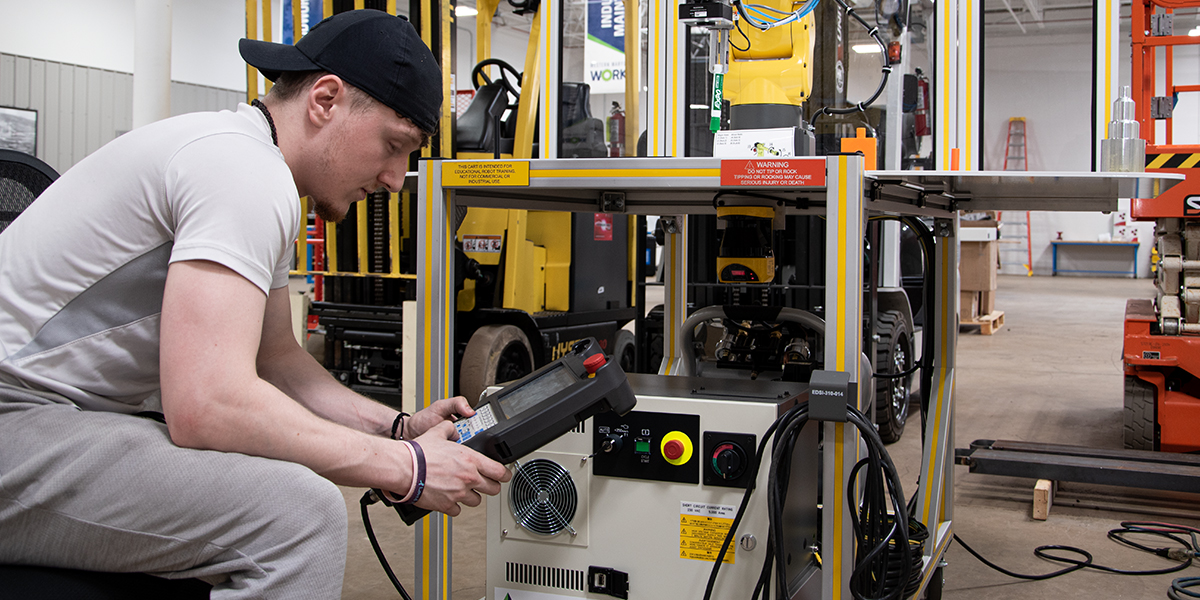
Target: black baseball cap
point(378, 53)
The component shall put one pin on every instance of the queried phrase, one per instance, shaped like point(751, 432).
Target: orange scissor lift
point(1162, 336)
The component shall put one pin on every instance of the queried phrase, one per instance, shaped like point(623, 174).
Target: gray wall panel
point(37, 100)
point(50, 119)
point(8, 77)
point(108, 129)
point(21, 83)
point(123, 97)
point(95, 114)
point(80, 108)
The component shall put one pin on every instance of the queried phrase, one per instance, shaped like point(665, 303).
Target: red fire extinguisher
point(922, 111)
point(616, 131)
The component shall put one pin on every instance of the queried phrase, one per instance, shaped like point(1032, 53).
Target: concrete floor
point(1052, 374)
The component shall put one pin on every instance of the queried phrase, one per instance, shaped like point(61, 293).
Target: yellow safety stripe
point(1108, 70)
point(939, 390)
point(946, 50)
point(623, 173)
point(1172, 160)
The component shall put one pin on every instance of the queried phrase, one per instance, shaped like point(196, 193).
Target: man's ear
point(326, 93)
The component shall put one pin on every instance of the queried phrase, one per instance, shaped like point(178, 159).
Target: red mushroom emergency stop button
point(673, 449)
point(676, 448)
point(593, 363)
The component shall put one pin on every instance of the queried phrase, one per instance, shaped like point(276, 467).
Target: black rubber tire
point(624, 350)
point(495, 354)
point(1140, 418)
point(893, 354)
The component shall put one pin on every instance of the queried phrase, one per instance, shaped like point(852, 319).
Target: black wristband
point(420, 474)
point(398, 425)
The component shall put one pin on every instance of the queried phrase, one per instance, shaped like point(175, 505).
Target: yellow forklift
point(521, 300)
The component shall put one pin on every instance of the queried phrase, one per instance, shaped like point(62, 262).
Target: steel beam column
point(435, 294)
point(844, 229)
point(933, 509)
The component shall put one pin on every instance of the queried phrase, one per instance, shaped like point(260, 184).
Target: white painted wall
point(1047, 79)
point(99, 34)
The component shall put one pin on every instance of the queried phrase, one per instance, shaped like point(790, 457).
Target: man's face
point(365, 149)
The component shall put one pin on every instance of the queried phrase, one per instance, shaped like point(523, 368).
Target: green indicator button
point(642, 447)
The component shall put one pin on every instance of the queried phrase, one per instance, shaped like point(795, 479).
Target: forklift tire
point(495, 354)
point(623, 351)
point(1140, 421)
point(893, 354)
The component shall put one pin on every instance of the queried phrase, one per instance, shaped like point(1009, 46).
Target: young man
point(153, 276)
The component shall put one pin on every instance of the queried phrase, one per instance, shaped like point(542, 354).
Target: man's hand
point(455, 474)
point(435, 413)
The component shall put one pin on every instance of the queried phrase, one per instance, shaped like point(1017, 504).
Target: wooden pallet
point(989, 323)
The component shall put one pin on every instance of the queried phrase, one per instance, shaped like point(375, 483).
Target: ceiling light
point(465, 11)
point(866, 48)
point(1195, 32)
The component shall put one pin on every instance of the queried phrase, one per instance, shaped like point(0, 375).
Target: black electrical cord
point(1179, 589)
point(883, 564)
point(882, 536)
point(916, 367)
point(884, 71)
point(798, 411)
point(368, 499)
point(1172, 532)
point(929, 326)
point(738, 24)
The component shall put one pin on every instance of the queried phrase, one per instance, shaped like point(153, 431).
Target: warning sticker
point(491, 244)
point(782, 172)
point(475, 174)
point(702, 530)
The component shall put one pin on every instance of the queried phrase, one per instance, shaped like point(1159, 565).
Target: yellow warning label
point(700, 538)
point(485, 173)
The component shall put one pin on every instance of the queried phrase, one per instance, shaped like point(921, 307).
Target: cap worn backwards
point(375, 52)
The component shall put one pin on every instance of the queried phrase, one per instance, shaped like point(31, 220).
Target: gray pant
point(110, 492)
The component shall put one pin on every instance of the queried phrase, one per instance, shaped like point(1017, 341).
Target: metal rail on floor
point(1057, 462)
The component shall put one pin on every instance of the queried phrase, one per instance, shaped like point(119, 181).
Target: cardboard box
point(987, 303)
point(977, 266)
point(968, 306)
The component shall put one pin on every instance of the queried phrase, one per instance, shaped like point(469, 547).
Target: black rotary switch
point(728, 460)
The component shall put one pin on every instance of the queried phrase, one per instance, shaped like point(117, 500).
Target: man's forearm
point(298, 375)
point(259, 420)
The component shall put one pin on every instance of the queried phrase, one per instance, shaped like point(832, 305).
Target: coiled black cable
point(883, 563)
point(1170, 531)
point(1179, 588)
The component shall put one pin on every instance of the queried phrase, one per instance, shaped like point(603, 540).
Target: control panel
point(647, 445)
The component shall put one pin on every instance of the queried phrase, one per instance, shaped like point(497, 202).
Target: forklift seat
point(476, 128)
point(22, 179)
point(583, 135)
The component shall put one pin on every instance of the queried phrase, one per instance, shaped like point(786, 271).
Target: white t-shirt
point(82, 270)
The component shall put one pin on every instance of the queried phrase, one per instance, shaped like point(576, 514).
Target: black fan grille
point(543, 497)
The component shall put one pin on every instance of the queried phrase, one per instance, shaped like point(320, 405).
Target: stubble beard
point(328, 211)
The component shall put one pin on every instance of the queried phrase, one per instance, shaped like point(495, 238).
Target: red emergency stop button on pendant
point(593, 363)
